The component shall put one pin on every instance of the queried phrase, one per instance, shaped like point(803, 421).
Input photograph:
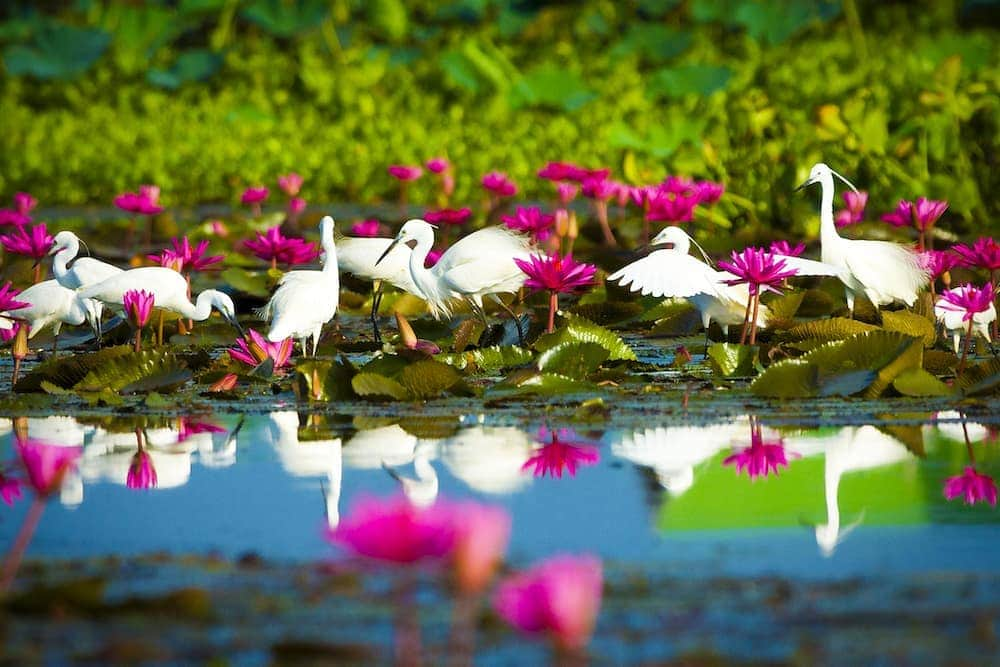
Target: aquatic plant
point(561, 451)
point(254, 197)
point(290, 184)
point(761, 271)
point(34, 243)
point(973, 487)
point(556, 274)
point(274, 247)
point(448, 216)
point(24, 203)
point(855, 211)
point(144, 202)
point(141, 471)
point(138, 306)
point(531, 220)
point(600, 190)
point(369, 228)
point(481, 535)
point(968, 300)
point(920, 215)
point(785, 248)
point(46, 465)
point(258, 349)
point(394, 531)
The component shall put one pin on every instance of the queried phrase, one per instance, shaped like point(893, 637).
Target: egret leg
point(478, 310)
point(850, 302)
point(376, 302)
point(517, 322)
point(55, 337)
point(315, 337)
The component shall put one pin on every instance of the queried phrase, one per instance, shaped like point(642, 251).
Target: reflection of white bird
point(478, 265)
point(884, 272)
point(672, 272)
point(673, 452)
point(851, 449)
point(169, 290)
point(360, 256)
point(53, 305)
point(489, 459)
point(951, 317)
point(369, 449)
point(953, 425)
point(306, 300)
point(108, 456)
point(421, 490)
point(85, 270)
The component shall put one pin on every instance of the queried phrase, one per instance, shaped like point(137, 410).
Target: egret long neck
point(828, 235)
point(61, 260)
point(422, 276)
point(330, 249)
point(199, 311)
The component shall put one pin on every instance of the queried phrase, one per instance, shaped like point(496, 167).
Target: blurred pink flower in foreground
point(258, 349)
point(482, 533)
point(290, 184)
point(432, 258)
point(855, 211)
point(437, 165)
point(10, 488)
point(761, 458)
point(395, 531)
point(35, 243)
point(141, 471)
point(972, 486)
point(46, 465)
point(254, 196)
point(559, 597)
point(10, 217)
point(275, 247)
point(448, 216)
point(560, 451)
point(405, 172)
point(366, 228)
point(499, 184)
point(530, 219)
point(7, 300)
point(24, 203)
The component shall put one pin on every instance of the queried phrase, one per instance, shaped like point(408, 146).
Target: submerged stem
point(16, 553)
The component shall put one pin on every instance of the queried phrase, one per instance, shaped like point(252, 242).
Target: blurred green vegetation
point(205, 97)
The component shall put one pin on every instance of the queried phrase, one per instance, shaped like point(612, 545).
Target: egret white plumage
point(478, 265)
point(884, 272)
point(672, 272)
point(306, 300)
point(954, 320)
point(169, 290)
point(51, 304)
point(360, 256)
point(85, 270)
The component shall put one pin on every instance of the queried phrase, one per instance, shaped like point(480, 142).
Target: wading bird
point(306, 300)
point(53, 305)
point(85, 271)
point(884, 272)
point(360, 256)
point(478, 265)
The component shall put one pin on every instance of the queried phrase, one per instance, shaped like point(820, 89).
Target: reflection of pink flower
point(498, 183)
point(253, 196)
point(141, 471)
point(138, 305)
point(482, 533)
point(188, 427)
point(971, 486)
point(24, 203)
point(759, 269)
point(530, 219)
point(404, 172)
point(559, 597)
point(437, 165)
point(46, 465)
point(10, 489)
point(448, 216)
point(366, 228)
point(290, 184)
point(258, 349)
point(785, 248)
point(35, 244)
point(394, 530)
point(760, 458)
point(560, 452)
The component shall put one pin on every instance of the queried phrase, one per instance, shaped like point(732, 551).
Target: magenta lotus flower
point(938, 262)
point(598, 188)
point(290, 184)
point(448, 216)
point(10, 489)
point(395, 531)
point(499, 184)
point(707, 192)
point(275, 247)
point(437, 165)
point(7, 300)
point(296, 205)
point(35, 243)
point(11, 217)
point(560, 451)
point(968, 300)
point(24, 203)
point(7, 335)
point(761, 458)
point(557, 274)
point(404, 172)
point(759, 269)
point(921, 215)
point(141, 471)
point(983, 254)
point(665, 205)
point(138, 305)
point(481, 536)
point(46, 465)
point(785, 248)
point(258, 349)
point(855, 211)
point(972, 486)
point(169, 259)
point(254, 196)
point(559, 597)
point(184, 257)
point(530, 219)
point(567, 192)
point(144, 202)
point(566, 171)
point(366, 228)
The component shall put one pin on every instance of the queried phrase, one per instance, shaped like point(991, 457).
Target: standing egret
point(169, 290)
point(672, 272)
point(51, 304)
point(360, 256)
point(956, 321)
point(306, 300)
point(480, 264)
point(884, 272)
point(85, 271)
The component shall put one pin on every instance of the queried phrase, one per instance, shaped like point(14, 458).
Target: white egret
point(85, 270)
point(306, 300)
point(360, 256)
point(169, 290)
point(478, 265)
point(421, 490)
point(51, 304)
point(672, 272)
point(951, 318)
point(884, 272)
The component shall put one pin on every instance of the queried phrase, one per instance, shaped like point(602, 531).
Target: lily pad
point(918, 382)
point(372, 385)
point(326, 380)
point(428, 378)
point(582, 330)
point(608, 312)
point(488, 359)
point(791, 378)
point(980, 379)
point(910, 324)
point(572, 359)
point(254, 283)
point(137, 372)
point(733, 359)
point(65, 371)
point(58, 51)
point(835, 328)
point(526, 383)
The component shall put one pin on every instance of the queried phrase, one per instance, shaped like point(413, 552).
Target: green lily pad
point(254, 283)
point(488, 359)
point(572, 359)
point(694, 79)
point(910, 324)
point(372, 385)
point(581, 330)
point(428, 378)
point(191, 66)
point(530, 382)
point(137, 372)
point(733, 359)
point(918, 382)
point(608, 312)
point(791, 378)
point(324, 380)
point(835, 328)
point(65, 371)
point(58, 51)
point(980, 379)
point(783, 310)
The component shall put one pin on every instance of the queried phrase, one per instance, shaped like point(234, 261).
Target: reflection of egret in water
point(489, 459)
point(972, 486)
point(763, 456)
point(674, 452)
point(850, 449)
point(421, 490)
point(302, 455)
point(953, 425)
point(392, 448)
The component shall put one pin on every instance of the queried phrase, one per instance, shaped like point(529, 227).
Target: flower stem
point(553, 307)
point(965, 349)
point(753, 320)
point(138, 339)
point(746, 321)
point(602, 217)
point(37, 273)
point(16, 553)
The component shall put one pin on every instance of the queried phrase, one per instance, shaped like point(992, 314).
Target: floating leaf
point(918, 382)
point(582, 330)
point(844, 384)
point(835, 328)
point(465, 333)
point(191, 66)
point(816, 303)
point(552, 86)
point(137, 372)
point(488, 359)
point(653, 41)
point(783, 310)
point(379, 386)
point(572, 359)
point(65, 371)
point(978, 380)
point(525, 383)
point(910, 324)
point(430, 427)
point(940, 362)
point(428, 378)
point(326, 380)
point(254, 283)
point(284, 18)
point(676, 82)
point(733, 360)
point(791, 378)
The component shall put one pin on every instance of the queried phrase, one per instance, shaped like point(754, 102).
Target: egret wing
point(810, 267)
point(887, 268)
point(666, 273)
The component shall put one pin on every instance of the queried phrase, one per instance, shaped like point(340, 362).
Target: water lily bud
point(406, 335)
point(19, 348)
point(226, 383)
point(574, 229)
point(562, 223)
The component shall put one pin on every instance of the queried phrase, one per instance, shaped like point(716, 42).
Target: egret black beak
point(803, 185)
point(54, 250)
point(235, 323)
point(387, 251)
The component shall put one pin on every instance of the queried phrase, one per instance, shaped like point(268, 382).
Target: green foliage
point(535, 383)
point(733, 360)
point(572, 359)
point(57, 51)
point(111, 370)
point(976, 380)
point(191, 66)
point(910, 324)
point(488, 359)
point(579, 329)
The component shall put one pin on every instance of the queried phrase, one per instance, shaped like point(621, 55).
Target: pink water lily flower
point(290, 184)
point(759, 269)
point(566, 192)
point(144, 202)
point(559, 597)
point(557, 274)
point(761, 458)
point(560, 451)
point(855, 211)
point(24, 203)
point(707, 192)
point(938, 262)
point(296, 206)
point(404, 172)
point(448, 216)
point(138, 306)
point(169, 259)
point(275, 247)
point(598, 188)
point(7, 335)
point(395, 531)
point(567, 171)
point(481, 536)
point(141, 471)
point(785, 248)
point(971, 486)
point(968, 300)
point(46, 465)
point(432, 258)
point(666, 205)
point(7, 300)
point(10, 217)
point(437, 165)
point(530, 219)
point(921, 215)
point(34, 242)
point(254, 195)
point(184, 257)
point(499, 184)
point(258, 349)
point(366, 228)
point(10, 488)
point(984, 253)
